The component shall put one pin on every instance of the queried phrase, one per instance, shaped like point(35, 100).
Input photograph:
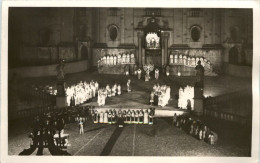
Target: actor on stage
point(152, 99)
point(132, 117)
point(128, 85)
point(101, 117)
point(125, 116)
point(156, 74)
point(105, 117)
point(119, 89)
point(146, 117)
point(139, 73)
point(137, 117)
point(129, 114)
point(110, 117)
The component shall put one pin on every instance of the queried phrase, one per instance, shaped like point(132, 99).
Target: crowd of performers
point(186, 60)
point(195, 128)
point(160, 95)
point(137, 116)
point(108, 91)
point(82, 92)
point(186, 98)
point(116, 59)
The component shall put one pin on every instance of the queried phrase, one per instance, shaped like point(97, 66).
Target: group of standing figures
point(108, 91)
point(142, 116)
point(195, 128)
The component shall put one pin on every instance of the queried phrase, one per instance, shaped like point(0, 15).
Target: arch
point(233, 55)
point(84, 52)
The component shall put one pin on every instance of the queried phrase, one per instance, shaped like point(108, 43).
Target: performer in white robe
point(115, 60)
point(127, 59)
point(146, 117)
point(119, 89)
point(128, 85)
point(152, 98)
point(119, 60)
point(132, 117)
point(114, 90)
point(101, 117)
point(132, 58)
point(123, 61)
point(99, 100)
point(111, 58)
point(105, 117)
point(171, 59)
point(184, 60)
point(129, 114)
point(137, 119)
point(139, 73)
point(156, 74)
point(176, 59)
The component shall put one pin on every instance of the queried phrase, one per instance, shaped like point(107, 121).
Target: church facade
point(160, 36)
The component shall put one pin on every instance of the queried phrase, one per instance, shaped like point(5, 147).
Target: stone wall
point(48, 70)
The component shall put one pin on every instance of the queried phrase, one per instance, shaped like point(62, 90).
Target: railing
point(234, 107)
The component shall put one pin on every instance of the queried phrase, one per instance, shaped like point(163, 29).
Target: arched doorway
point(233, 55)
point(84, 52)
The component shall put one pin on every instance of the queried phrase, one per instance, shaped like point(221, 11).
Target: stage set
point(182, 75)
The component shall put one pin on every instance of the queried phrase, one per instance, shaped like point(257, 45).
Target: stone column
point(165, 37)
point(139, 56)
point(198, 100)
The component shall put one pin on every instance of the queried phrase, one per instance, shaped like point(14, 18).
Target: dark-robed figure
point(199, 74)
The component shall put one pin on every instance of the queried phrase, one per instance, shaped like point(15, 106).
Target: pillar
point(61, 99)
point(139, 56)
point(198, 100)
point(165, 38)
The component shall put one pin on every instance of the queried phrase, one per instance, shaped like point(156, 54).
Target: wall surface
point(49, 70)
point(239, 71)
point(29, 43)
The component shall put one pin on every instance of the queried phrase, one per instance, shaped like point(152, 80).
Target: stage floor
point(141, 140)
point(137, 100)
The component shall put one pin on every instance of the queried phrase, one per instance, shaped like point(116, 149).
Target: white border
point(255, 4)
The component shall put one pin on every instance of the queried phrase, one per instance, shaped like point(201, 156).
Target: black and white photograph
point(130, 81)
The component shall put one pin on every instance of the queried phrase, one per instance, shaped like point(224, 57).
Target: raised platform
point(137, 100)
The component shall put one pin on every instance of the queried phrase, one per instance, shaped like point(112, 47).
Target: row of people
point(189, 61)
point(195, 128)
point(142, 116)
point(81, 92)
point(116, 59)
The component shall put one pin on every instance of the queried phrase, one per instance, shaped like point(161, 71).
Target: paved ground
point(160, 139)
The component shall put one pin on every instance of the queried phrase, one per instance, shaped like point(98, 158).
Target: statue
point(60, 71)
point(148, 68)
point(199, 74)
